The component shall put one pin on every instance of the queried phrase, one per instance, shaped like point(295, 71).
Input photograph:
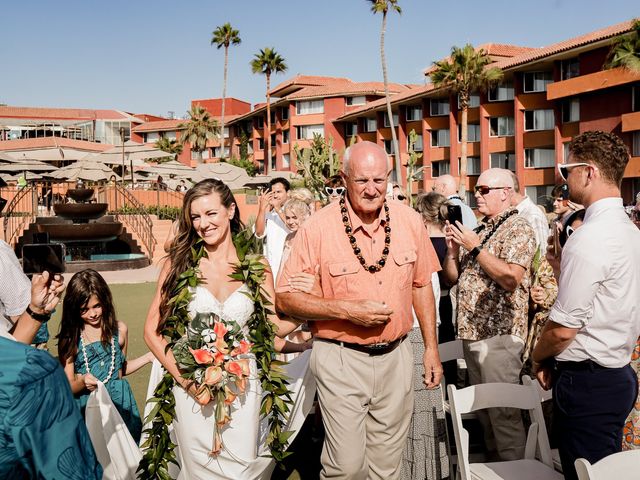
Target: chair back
point(544, 394)
point(621, 466)
point(491, 395)
point(450, 350)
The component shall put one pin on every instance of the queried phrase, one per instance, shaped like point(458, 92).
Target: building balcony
point(591, 82)
point(631, 122)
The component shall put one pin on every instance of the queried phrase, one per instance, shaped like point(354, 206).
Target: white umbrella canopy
point(133, 152)
point(86, 170)
point(29, 176)
point(24, 166)
point(170, 168)
point(234, 177)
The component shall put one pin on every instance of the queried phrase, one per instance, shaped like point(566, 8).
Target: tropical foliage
point(625, 51)
point(198, 130)
point(466, 71)
point(383, 7)
point(266, 62)
point(224, 36)
point(170, 146)
point(244, 162)
point(413, 171)
point(317, 163)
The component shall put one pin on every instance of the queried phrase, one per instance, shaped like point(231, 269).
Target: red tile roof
point(54, 142)
point(307, 81)
point(414, 93)
point(350, 88)
point(495, 50)
point(174, 124)
point(63, 113)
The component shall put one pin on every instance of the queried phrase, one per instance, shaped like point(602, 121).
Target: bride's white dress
point(243, 438)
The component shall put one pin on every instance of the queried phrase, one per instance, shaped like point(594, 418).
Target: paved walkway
point(139, 275)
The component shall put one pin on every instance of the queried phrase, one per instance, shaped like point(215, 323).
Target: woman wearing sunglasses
point(334, 188)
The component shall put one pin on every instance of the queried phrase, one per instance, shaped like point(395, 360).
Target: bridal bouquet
point(213, 354)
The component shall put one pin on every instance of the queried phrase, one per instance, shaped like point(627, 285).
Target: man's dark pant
point(590, 406)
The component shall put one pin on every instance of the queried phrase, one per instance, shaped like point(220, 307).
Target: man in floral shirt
point(492, 271)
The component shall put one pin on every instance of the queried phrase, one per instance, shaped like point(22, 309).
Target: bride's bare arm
point(156, 342)
point(285, 325)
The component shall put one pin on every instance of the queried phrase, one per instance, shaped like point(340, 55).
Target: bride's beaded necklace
point(112, 367)
point(377, 266)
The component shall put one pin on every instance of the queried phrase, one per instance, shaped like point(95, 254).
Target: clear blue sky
point(155, 56)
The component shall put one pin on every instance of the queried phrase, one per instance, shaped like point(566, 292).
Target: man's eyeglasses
point(564, 168)
point(334, 191)
point(485, 189)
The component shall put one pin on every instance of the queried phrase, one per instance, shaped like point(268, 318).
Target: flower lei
point(158, 447)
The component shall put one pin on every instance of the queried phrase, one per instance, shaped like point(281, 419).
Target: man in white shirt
point(270, 223)
point(446, 185)
point(531, 213)
point(595, 322)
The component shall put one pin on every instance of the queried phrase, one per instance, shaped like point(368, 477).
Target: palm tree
point(625, 51)
point(266, 62)
point(198, 130)
point(224, 36)
point(170, 146)
point(383, 6)
point(466, 71)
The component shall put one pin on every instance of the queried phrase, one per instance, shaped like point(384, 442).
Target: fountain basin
point(81, 232)
point(80, 211)
point(80, 194)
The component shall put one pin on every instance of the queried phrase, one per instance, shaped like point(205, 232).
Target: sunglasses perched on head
point(334, 191)
point(565, 168)
point(485, 189)
point(401, 198)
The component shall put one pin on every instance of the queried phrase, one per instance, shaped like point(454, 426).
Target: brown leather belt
point(371, 349)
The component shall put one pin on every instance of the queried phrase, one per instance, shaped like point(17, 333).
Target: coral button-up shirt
point(322, 241)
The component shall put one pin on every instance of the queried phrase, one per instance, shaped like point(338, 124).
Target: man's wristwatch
point(40, 317)
point(474, 252)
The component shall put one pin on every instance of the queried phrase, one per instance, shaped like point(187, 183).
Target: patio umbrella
point(171, 167)
point(234, 177)
point(85, 170)
point(28, 176)
point(24, 166)
point(133, 152)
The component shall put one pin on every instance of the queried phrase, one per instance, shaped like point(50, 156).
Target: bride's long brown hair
point(186, 237)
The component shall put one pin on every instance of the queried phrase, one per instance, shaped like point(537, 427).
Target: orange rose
point(233, 368)
point(219, 329)
point(212, 375)
point(202, 356)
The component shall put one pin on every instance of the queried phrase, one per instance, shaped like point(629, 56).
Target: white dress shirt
point(599, 287)
point(530, 211)
point(469, 219)
point(15, 288)
point(275, 233)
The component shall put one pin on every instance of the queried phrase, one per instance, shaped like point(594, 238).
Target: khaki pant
point(366, 404)
point(498, 359)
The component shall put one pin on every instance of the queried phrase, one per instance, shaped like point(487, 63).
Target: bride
point(210, 214)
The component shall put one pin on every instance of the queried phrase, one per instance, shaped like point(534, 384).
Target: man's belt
point(578, 366)
point(370, 349)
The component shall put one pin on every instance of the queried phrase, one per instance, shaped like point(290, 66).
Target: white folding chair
point(505, 395)
point(620, 466)
point(544, 396)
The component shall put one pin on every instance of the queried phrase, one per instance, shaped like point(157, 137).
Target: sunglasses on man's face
point(402, 198)
point(565, 168)
point(485, 189)
point(334, 191)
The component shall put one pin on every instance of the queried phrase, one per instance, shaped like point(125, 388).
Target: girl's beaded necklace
point(113, 358)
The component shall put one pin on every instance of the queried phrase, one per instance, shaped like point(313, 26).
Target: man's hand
point(432, 367)
point(265, 201)
point(538, 295)
point(306, 282)
point(460, 235)
point(46, 293)
point(544, 374)
point(368, 313)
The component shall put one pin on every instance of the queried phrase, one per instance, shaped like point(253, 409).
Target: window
point(273, 140)
point(473, 165)
point(473, 132)
point(440, 138)
point(569, 68)
point(635, 98)
point(539, 157)
point(226, 132)
point(205, 154)
point(386, 120)
point(440, 168)
point(501, 93)
point(571, 111)
point(151, 137)
point(503, 160)
point(439, 106)
point(537, 81)
point(260, 122)
point(350, 129)
point(273, 117)
point(273, 162)
point(471, 199)
point(418, 146)
point(635, 149)
point(474, 100)
point(565, 149)
point(217, 152)
point(538, 119)
point(285, 136)
point(388, 147)
point(310, 106)
point(539, 194)
point(501, 127)
point(360, 100)
point(286, 160)
point(369, 125)
point(170, 135)
point(261, 144)
point(284, 113)
point(306, 132)
point(414, 114)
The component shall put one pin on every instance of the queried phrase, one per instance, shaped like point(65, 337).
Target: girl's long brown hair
point(186, 237)
point(81, 286)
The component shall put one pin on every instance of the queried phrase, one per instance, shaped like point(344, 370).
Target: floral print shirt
point(484, 308)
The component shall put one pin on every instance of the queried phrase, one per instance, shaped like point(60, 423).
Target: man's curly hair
point(604, 150)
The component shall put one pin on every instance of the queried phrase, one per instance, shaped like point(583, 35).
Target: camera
point(42, 255)
point(454, 214)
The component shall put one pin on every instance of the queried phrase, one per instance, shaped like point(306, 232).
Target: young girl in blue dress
point(92, 347)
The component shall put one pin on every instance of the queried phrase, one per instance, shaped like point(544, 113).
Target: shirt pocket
point(405, 261)
point(343, 277)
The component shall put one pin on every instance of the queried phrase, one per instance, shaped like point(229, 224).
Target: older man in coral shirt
point(374, 262)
